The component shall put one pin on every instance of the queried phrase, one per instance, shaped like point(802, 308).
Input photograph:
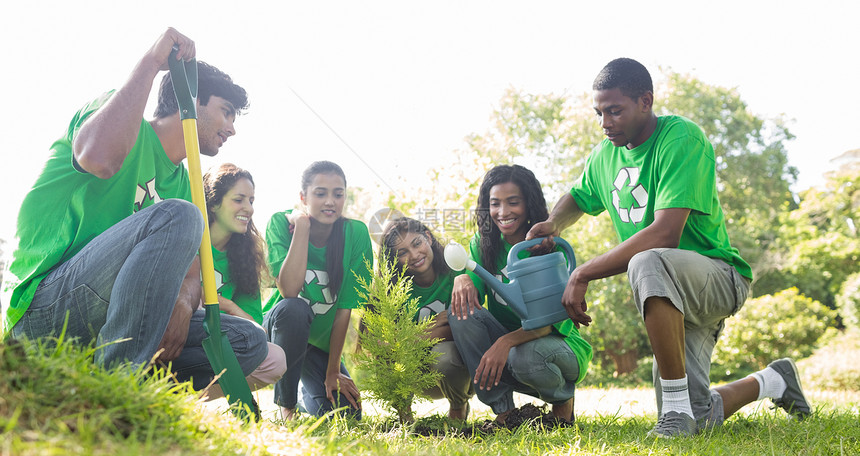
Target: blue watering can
point(536, 283)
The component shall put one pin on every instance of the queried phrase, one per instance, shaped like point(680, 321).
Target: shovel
point(216, 344)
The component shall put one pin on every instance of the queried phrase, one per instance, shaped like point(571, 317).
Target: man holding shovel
point(108, 237)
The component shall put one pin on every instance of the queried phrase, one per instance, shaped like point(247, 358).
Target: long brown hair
point(396, 230)
point(335, 245)
point(246, 254)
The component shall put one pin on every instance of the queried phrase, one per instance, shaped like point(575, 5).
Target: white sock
point(770, 383)
point(676, 396)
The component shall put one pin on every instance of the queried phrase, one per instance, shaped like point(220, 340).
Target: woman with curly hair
point(410, 246)
point(238, 252)
point(547, 362)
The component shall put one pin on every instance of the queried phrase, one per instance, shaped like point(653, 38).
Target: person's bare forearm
point(565, 213)
point(664, 232)
point(107, 136)
point(521, 336)
point(291, 277)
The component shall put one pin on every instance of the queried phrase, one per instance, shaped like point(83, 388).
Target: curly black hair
point(535, 204)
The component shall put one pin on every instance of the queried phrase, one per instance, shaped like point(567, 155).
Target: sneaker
point(674, 424)
point(792, 401)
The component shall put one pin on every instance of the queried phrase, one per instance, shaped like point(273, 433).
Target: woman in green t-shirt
point(409, 245)
point(238, 250)
point(315, 255)
point(545, 362)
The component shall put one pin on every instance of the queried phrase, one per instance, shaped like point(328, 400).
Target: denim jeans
point(246, 337)
point(545, 368)
point(288, 324)
point(123, 285)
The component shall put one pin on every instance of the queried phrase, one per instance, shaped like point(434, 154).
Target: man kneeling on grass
point(656, 178)
point(108, 237)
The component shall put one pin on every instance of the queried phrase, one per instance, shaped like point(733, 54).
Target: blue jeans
point(545, 368)
point(289, 324)
point(123, 285)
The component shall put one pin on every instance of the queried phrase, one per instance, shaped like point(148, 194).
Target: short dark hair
point(210, 81)
point(627, 75)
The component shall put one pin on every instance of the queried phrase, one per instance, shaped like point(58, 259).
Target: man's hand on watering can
point(546, 230)
point(573, 300)
point(489, 371)
point(464, 297)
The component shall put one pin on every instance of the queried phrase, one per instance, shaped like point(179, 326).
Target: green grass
point(53, 400)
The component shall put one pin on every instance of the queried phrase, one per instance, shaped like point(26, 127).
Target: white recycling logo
point(321, 278)
point(431, 309)
point(629, 177)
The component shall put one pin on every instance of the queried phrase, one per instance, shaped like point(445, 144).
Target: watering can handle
point(513, 256)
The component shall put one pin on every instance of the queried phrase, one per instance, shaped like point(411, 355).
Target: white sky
point(404, 82)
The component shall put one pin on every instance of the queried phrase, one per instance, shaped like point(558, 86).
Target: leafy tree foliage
point(768, 328)
point(819, 246)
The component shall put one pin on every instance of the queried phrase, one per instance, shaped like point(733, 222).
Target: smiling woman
point(239, 259)
point(316, 255)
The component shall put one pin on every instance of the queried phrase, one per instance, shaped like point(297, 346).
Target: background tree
point(819, 247)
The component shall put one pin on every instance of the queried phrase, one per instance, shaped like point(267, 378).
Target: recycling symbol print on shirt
point(631, 209)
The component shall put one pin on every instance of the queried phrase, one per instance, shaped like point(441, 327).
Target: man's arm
point(106, 137)
point(176, 333)
point(664, 231)
point(565, 213)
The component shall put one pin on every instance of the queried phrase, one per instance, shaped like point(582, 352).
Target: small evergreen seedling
point(396, 355)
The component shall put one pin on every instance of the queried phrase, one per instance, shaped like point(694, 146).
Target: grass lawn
point(54, 401)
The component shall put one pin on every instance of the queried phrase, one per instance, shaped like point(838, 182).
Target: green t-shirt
point(436, 298)
point(503, 313)
point(674, 168)
point(66, 208)
point(251, 304)
point(316, 292)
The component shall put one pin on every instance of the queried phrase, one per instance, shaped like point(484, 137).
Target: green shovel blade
point(224, 362)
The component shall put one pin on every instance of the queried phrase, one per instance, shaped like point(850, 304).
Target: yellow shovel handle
point(207, 264)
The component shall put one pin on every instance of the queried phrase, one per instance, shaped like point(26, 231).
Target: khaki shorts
point(706, 291)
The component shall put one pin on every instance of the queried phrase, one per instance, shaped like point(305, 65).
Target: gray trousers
point(706, 291)
point(455, 383)
point(545, 368)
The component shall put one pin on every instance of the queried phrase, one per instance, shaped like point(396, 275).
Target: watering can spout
point(457, 259)
point(536, 283)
